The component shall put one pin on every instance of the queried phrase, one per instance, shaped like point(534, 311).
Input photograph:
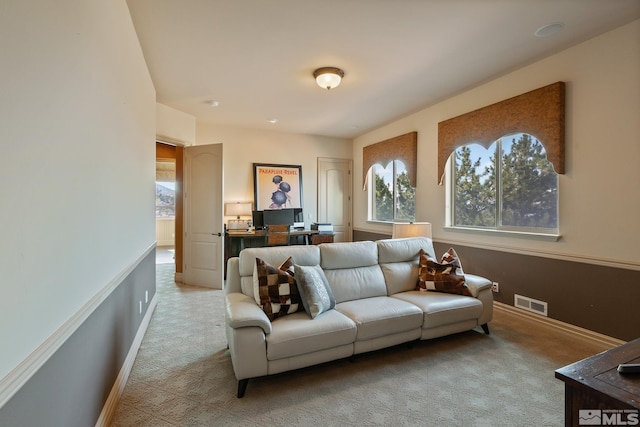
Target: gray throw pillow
point(314, 289)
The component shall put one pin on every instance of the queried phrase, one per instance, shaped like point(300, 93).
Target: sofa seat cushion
point(441, 308)
point(298, 334)
point(380, 316)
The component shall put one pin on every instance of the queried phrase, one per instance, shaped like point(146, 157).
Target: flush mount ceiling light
point(328, 77)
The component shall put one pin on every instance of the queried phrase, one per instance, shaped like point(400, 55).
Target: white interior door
point(203, 241)
point(334, 196)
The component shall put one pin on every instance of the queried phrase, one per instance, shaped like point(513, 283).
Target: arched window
point(509, 186)
point(513, 184)
point(389, 175)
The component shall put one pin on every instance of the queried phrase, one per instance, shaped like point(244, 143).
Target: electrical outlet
point(495, 287)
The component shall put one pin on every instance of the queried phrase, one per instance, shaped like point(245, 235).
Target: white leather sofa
point(377, 306)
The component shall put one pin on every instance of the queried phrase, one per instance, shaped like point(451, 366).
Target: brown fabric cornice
point(540, 113)
point(403, 147)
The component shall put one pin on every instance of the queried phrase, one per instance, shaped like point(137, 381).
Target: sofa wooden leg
point(485, 328)
point(242, 387)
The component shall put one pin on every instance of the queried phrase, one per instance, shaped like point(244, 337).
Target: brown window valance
point(539, 113)
point(403, 147)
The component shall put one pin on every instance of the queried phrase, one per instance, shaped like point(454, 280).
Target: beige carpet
point(183, 376)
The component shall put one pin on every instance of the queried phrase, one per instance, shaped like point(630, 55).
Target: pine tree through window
point(393, 198)
point(510, 186)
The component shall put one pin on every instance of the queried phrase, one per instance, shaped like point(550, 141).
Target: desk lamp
point(237, 209)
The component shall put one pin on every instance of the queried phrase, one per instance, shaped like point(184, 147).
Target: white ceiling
point(256, 57)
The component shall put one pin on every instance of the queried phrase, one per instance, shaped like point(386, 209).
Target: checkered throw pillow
point(444, 276)
point(277, 289)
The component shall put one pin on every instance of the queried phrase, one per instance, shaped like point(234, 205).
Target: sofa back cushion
point(274, 255)
point(352, 270)
point(399, 261)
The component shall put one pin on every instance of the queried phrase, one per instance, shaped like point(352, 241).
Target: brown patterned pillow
point(277, 291)
point(445, 276)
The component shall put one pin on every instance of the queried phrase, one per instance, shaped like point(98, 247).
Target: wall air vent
point(530, 304)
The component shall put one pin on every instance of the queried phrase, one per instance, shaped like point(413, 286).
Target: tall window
point(510, 186)
point(165, 188)
point(392, 197)
point(165, 199)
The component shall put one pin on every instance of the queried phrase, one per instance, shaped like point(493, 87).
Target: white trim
point(109, 408)
point(172, 141)
point(178, 278)
point(532, 235)
point(561, 326)
point(17, 378)
point(586, 259)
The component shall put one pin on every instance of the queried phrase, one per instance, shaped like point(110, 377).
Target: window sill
point(506, 233)
point(379, 222)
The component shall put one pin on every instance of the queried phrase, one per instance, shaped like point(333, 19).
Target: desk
point(243, 237)
point(595, 384)
point(235, 241)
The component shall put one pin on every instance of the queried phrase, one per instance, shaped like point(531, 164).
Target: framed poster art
point(277, 186)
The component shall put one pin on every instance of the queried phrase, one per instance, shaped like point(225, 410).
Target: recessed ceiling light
point(272, 121)
point(549, 29)
point(213, 103)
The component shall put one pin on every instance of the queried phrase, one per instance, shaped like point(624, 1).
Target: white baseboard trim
point(18, 377)
point(109, 408)
point(557, 324)
point(177, 277)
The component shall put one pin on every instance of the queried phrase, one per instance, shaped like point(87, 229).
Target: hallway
point(165, 255)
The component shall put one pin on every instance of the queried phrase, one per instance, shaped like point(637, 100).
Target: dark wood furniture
point(316, 239)
point(235, 241)
point(278, 235)
point(595, 384)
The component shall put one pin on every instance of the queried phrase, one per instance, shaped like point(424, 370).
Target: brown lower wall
point(595, 297)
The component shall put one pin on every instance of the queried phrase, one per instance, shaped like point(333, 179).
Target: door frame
point(178, 156)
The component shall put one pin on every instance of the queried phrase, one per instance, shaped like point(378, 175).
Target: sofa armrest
point(242, 311)
point(476, 283)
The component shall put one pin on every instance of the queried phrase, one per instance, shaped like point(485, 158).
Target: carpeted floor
point(183, 376)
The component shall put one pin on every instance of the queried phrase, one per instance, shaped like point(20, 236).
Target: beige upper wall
point(599, 200)
point(243, 147)
point(74, 215)
point(175, 126)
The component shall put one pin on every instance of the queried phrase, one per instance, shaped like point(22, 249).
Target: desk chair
point(277, 235)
